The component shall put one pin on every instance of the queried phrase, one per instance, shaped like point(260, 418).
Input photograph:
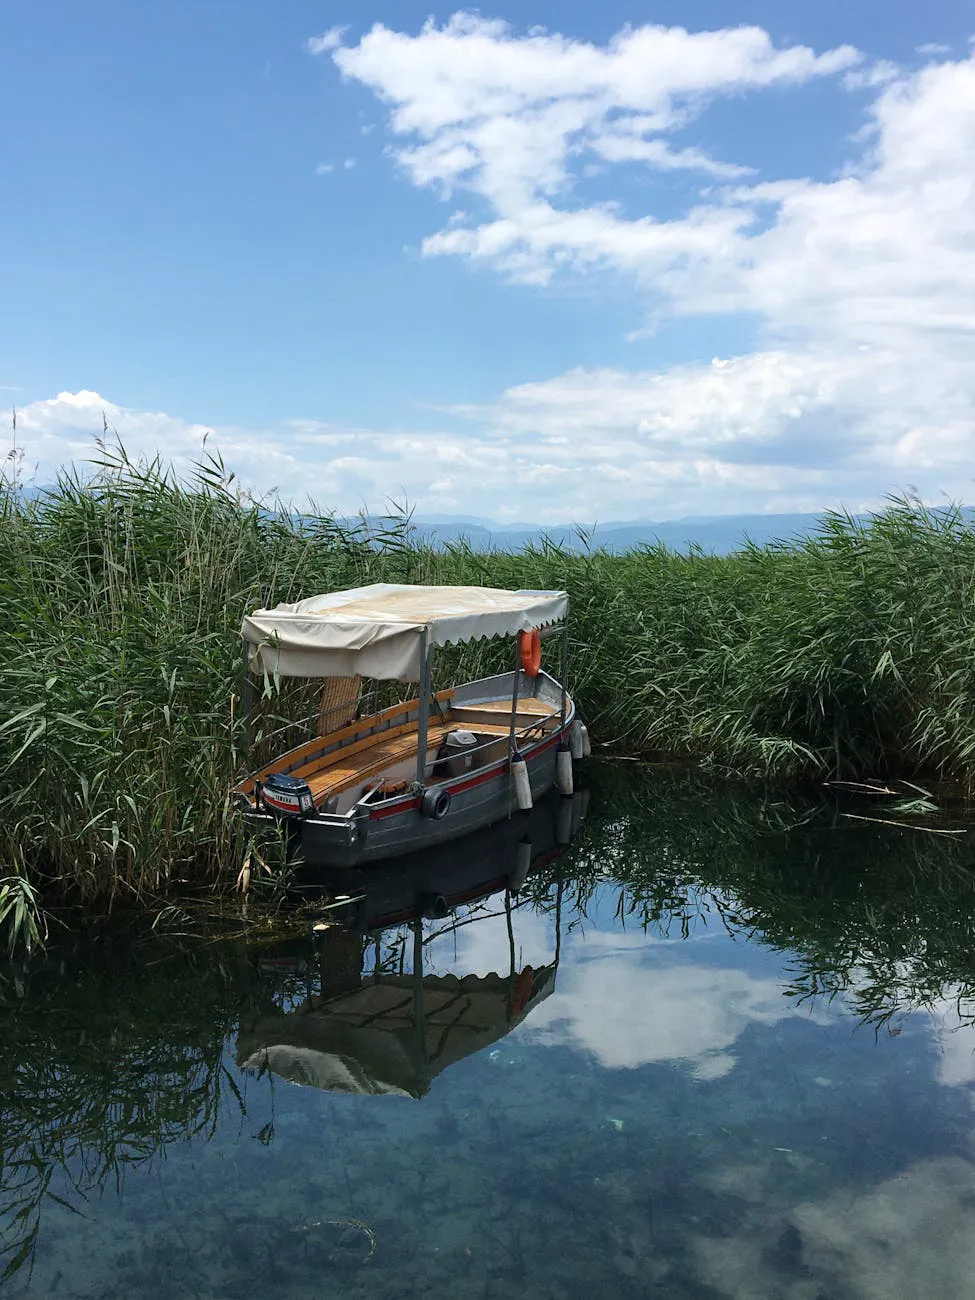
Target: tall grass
point(122, 593)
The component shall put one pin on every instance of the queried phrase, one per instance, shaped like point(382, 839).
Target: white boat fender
point(523, 788)
point(563, 822)
point(578, 809)
point(435, 907)
point(435, 803)
point(576, 738)
point(563, 771)
point(523, 863)
point(586, 742)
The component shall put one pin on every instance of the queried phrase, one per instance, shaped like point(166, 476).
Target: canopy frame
point(457, 615)
point(377, 630)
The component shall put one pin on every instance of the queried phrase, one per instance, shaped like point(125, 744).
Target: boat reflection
point(377, 1016)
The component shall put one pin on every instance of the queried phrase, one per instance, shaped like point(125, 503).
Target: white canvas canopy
point(368, 1040)
point(377, 631)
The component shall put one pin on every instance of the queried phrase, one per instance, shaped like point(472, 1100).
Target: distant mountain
point(714, 534)
point(718, 535)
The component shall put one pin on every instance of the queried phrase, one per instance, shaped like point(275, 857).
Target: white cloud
point(349, 164)
point(323, 169)
point(505, 116)
point(861, 286)
point(904, 1237)
point(933, 49)
point(329, 40)
point(689, 1014)
point(871, 75)
point(767, 431)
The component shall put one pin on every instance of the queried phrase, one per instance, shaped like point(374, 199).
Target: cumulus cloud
point(861, 285)
point(689, 1014)
point(329, 40)
point(858, 287)
point(770, 430)
point(507, 116)
point(284, 459)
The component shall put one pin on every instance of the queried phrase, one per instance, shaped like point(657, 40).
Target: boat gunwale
point(410, 800)
point(359, 736)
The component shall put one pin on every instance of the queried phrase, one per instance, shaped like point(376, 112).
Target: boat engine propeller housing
point(287, 796)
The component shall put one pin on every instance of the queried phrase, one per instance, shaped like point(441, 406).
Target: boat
point(374, 1017)
point(373, 784)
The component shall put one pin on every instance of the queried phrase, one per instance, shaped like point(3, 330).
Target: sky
point(553, 263)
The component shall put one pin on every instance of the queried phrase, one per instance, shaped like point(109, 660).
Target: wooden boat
point(376, 785)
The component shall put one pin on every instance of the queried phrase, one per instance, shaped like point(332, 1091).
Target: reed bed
point(848, 654)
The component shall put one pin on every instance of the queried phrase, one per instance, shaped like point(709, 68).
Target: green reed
point(846, 654)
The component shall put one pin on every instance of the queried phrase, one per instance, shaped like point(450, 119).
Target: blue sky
point(488, 268)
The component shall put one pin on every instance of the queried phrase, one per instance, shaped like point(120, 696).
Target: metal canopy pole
point(558, 924)
point(511, 950)
point(419, 1021)
point(423, 705)
point(565, 666)
point(514, 697)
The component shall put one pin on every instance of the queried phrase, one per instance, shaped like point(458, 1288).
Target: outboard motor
point(287, 796)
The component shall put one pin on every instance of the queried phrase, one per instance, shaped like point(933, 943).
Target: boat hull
point(477, 799)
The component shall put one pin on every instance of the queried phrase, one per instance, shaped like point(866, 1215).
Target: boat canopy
point(368, 1040)
point(378, 631)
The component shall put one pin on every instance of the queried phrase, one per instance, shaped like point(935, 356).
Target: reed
point(846, 654)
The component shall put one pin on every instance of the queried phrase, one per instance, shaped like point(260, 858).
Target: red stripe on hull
point(489, 774)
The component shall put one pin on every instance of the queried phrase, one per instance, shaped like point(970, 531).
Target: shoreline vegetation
point(847, 655)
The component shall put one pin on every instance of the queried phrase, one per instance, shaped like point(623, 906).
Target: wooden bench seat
point(497, 712)
point(526, 704)
point(307, 758)
point(335, 777)
point(334, 772)
point(338, 776)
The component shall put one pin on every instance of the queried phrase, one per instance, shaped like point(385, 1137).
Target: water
point(720, 1046)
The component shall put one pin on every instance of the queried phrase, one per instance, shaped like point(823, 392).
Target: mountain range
point(716, 534)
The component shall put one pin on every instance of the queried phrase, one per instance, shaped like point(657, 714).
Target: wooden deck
point(336, 771)
point(335, 776)
point(342, 772)
point(527, 705)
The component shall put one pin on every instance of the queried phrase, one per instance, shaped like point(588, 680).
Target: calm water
point(718, 1046)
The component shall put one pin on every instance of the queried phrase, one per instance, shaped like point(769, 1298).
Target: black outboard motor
point(287, 796)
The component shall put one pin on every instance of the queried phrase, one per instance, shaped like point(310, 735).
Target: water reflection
point(635, 1061)
point(379, 1017)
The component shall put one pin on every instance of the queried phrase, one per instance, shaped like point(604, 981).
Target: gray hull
point(476, 800)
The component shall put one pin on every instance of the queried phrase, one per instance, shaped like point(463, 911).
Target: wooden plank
point(335, 778)
point(526, 704)
point(500, 718)
point(338, 756)
point(291, 756)
point(338, 777)
point(502, 728)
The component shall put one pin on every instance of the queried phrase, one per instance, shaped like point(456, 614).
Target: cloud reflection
point(628, 1012)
